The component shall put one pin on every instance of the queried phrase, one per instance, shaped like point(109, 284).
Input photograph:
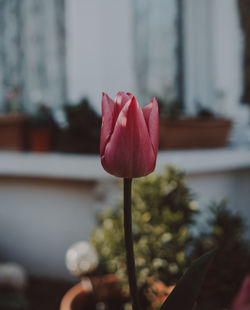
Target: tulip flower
point(242, 299)
point(129, 136)
point(129, 146)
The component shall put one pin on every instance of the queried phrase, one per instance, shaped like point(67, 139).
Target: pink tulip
point(129, 136)
point(242, 299)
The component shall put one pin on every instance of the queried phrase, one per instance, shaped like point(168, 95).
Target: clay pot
point(12, 132)
point(190, 133)
point(40, 139)
point(76, 298)
point(91, 291)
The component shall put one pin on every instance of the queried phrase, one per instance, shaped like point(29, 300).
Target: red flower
point(129, 136)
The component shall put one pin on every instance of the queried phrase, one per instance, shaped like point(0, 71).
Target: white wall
point(99, 48)
point(213, 187)
point(40, 219)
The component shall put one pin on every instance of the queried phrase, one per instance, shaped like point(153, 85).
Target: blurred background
point(56, 59)
point(53, 52)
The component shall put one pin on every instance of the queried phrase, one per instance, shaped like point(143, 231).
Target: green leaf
point(188, 287)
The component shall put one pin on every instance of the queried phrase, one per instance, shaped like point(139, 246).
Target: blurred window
point(32, 52)
point(157, 44)
point(244, 9)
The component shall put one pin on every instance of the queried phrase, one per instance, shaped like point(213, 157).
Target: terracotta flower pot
point(12, 132)
point(76, 298)
point(40, 139)
point(190, 133)
point(89, 292)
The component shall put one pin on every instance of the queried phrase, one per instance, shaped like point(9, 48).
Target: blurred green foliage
point(232, 261)
point(163, 209)
point(164, 213)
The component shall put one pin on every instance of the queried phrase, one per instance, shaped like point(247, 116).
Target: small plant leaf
point(188, 287)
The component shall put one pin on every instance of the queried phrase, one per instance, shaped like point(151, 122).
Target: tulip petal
point(242, 299)
point(120, 100)
point(151, 115)
point(108, 111)
point(129, 152)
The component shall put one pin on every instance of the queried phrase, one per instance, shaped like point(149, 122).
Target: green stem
point(129, 244)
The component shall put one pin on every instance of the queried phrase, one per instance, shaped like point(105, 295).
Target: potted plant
point(81, 132)
point(40, 129)
point(178, 131)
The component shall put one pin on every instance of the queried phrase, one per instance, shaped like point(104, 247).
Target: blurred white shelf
point(206, 161)
point(88, 167)
point(51, 165)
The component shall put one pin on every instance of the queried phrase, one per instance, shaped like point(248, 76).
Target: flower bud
point(129, 136)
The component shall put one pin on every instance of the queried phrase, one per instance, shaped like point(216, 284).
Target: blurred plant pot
point(77, 298)
point(40, 139)
point(190, 133)
point(87, 294)
point(12, 132)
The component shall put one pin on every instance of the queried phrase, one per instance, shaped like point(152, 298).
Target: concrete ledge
point(88, 167)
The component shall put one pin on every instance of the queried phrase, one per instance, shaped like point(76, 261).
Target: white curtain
point(32, 51)
point(156, 43)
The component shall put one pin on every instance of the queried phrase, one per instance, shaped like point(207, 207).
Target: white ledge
point(88, 167)
point(51, 165)
point(206, 161)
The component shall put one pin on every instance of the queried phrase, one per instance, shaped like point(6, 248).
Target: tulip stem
point(129, 244)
